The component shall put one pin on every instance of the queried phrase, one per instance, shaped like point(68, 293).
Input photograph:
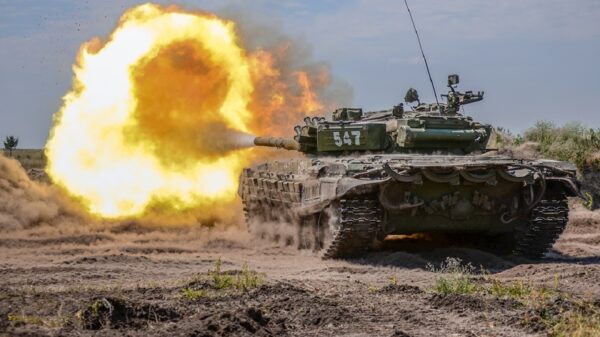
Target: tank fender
point(337, 187)
point(332, 188)
point(353, 186)
point(569, 186)
point(563, 175)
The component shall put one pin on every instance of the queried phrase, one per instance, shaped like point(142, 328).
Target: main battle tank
point(430, 169)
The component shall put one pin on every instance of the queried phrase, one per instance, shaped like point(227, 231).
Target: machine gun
point(456, 98)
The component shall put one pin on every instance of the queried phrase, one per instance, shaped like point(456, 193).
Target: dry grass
point(49, 322)
point(561, 314)
point(29, 158)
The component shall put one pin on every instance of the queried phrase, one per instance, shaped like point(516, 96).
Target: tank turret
point(425, 128)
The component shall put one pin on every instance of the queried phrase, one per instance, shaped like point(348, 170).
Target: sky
point(535, 59)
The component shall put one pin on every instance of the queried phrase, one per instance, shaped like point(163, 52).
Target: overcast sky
point(535, 59)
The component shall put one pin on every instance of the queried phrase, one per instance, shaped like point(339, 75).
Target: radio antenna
point(422, 53)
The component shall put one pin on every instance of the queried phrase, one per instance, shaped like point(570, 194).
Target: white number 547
point(345, 139)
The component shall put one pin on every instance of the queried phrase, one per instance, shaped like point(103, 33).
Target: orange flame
point(308, 99)
point(154, 111)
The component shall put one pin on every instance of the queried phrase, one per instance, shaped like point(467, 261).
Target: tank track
point(359, 221)
point(547, 221)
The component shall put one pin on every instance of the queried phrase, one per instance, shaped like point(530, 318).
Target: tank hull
point(407, 194)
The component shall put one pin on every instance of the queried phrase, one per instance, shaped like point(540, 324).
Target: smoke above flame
point(160, 111)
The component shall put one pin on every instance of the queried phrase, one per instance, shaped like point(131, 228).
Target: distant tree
point(10, 143)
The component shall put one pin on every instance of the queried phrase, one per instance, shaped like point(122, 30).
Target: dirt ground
point(126, 280)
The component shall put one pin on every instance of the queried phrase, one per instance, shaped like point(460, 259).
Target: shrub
point(572, 142)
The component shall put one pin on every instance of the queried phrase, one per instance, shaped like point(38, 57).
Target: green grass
point(243, 280)
point(524, 292)
point(575, 324)
point(193, 294)
point(516, 290)
point(455, 284)
point(219, 282)
point(574, 318)
point(454, 278)
point(562, 315)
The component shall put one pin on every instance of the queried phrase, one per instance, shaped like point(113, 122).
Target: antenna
point(422, 53)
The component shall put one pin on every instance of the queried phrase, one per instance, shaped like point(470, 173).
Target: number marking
point(337, 139)
point(346, 138)
point(356, 135)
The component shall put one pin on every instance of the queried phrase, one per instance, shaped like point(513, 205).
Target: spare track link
point(547, 221)
point(359, 221)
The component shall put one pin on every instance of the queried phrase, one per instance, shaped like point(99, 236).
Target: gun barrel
point(286, 143)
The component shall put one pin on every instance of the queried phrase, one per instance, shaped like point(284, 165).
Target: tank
point(422, 169)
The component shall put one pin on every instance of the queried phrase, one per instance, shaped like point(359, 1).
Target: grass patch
point(516, 290)
point(193, 294)
point(566, 317)
point(560, 314)
point(243, 280)
point(217, 282)
point(526, 293)
point(455, 277)
point(49, 322)
point(580, 323)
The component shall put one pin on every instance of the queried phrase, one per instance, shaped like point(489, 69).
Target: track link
point(358, 222)
point(547, 221)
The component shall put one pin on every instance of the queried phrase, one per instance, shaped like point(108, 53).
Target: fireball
point(157, 111)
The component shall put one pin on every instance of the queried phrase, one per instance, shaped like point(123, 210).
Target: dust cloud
point(25, 203)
